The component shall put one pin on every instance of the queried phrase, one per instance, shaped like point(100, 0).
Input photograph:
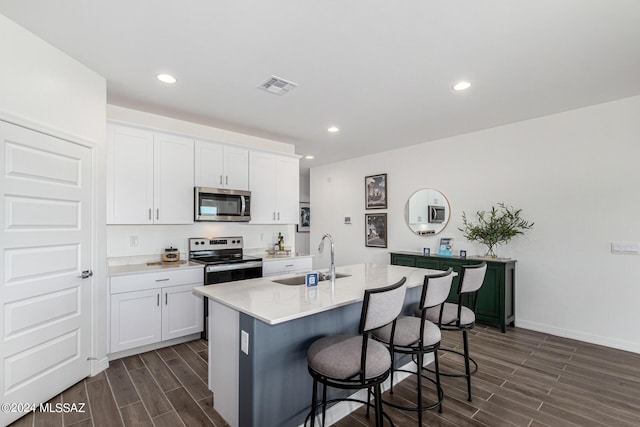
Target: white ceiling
point(382, 71)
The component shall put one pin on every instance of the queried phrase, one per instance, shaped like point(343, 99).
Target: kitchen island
point(260, 330)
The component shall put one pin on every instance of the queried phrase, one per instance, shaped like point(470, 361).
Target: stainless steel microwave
point(219, 204)
point(437, 214)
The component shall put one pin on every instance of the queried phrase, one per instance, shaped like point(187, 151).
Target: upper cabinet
point(221, 166)
point(273, 181)
point(150, 177)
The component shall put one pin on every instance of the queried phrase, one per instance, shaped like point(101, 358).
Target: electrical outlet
point(133, 241)
point(244, 342)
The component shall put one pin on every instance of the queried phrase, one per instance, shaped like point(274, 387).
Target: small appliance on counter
point(171, 255)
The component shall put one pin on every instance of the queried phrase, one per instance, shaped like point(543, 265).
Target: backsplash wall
point(152, 239)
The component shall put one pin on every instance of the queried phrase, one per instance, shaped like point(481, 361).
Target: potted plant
point(497, 226)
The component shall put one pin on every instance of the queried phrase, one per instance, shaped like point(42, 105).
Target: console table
point(496, 297)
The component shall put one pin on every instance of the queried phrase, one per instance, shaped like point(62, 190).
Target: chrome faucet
point(332, 270)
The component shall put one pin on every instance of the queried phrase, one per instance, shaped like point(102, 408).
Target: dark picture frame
point(375, 191)
point(304, 218)
point(375, 233)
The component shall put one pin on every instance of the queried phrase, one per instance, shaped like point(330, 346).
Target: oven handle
point(227, 267)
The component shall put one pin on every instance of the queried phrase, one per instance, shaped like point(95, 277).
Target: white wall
point(574, 174)
point(46, 90)
point(152, 239)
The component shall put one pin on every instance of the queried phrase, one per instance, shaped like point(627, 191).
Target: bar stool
point(460, 317)
point(355, 362)
point(418, 337)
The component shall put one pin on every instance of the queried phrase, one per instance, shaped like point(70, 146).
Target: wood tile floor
point(524, 379)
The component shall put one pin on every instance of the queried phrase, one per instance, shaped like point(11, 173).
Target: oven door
point(214, 274)
point(232, 272)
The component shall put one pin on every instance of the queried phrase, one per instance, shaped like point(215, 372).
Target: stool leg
point(439, 387)
point(324, 403)
point(419, 380)
point(466, 363)
point(378, 398)
point(368, 400)
point(392, 367)
point(314, 398)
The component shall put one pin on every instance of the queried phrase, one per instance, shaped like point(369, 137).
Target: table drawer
point(158, 279)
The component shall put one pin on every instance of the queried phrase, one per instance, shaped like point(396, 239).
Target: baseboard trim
point(154, 346)
point(580, 336)
point(342, 409)
point(98, 366)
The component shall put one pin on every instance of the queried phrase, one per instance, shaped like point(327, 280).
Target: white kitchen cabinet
point(153, 307)
point(274, 184)
point(149, 177)
point(182, 312)
point(274, 267)
point(135, 319)
point(221, 166)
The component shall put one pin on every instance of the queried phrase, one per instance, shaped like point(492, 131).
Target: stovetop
point(218, 250)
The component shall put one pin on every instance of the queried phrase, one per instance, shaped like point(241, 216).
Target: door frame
point(98, 314)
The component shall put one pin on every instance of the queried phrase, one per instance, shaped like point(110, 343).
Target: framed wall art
point(304, 221)
point(375, 187)
point(376, 230)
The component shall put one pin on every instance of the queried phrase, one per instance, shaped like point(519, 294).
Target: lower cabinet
point(496, 298)
point(144, 311)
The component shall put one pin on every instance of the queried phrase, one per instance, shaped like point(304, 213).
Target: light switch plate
point(632, 248)
point(244, 342)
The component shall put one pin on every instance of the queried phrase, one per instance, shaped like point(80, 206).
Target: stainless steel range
point(224, 261)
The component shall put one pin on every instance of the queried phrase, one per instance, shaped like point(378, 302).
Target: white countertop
point(275, 303)
point(119, 270)
point(267, 258)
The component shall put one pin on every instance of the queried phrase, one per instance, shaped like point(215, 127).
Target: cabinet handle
point(274, 216)
point(149, 214)
point(158, 213)
point(289, 265)
point(220, 179)
point(158, 299)
point(278, 216)
point(166, 299)
point(162, 280)
point(226, 180)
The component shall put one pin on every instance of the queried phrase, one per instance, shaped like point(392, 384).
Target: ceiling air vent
point(277, 86)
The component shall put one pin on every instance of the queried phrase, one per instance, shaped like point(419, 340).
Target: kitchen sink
point(301, 280)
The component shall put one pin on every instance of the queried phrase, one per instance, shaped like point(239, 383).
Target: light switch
point(244, 342)
point(632, 248)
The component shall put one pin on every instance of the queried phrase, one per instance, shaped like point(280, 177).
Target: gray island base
point(259, 333)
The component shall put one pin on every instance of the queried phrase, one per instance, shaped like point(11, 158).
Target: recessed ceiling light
point(308, 157)
point(333, 129)
point(461, 85)
point(166, 78)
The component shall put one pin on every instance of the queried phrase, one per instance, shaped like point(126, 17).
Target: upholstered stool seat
point(354, 362)
point(339, 357)
point(418, 337)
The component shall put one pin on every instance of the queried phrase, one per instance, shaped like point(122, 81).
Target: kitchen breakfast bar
point(260, 330)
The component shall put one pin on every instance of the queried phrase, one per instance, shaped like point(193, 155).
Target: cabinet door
point(287, 190)
point(209, 164)
point(405, 260)
point(173, 179)
point(488, 308)
point(430, 263)
point(135, 319)
point(182, 312)
point(129, 175)
point(262, 173)
point(236, 168)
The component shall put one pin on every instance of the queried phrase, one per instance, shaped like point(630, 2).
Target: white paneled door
point(45, 244)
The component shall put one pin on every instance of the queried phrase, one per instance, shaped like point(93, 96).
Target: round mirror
point(427, 212)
